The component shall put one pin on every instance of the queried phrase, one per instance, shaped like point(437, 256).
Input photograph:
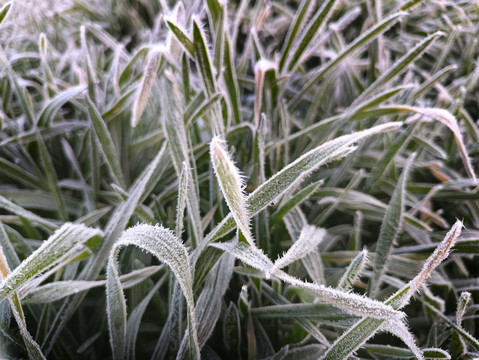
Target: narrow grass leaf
point(231, 185)
point(294, 172)
point(364, 329)
point(182, 194)
point(463, 333)
point(134, 320)
point(60, 289)
point(52, 251)
point(115, 226)
point(296, 200)
point(297, 24)
point(400, 330)
point(464, 299)
point(105, 142)
point(352, 303)
point(52, 178)
point(390, 228)
point(149, 75)
point(314, 27)
point(399, 66)
point(4, 11)
point(231, 81)
point(167, 248)
point(18, 210)
point(350, 49)
point(446, 118)
point(309, 239)
point(51, 108)
point(175, 131)
point(353, 271)
point(182, 37)
point(128, 71)
point(207, 75)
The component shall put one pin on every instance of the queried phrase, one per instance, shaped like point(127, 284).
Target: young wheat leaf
point(231, 81)
point(117, 223)
point(52, 251)
point(309, 239)
point(390, 229)
point(207, 75)
point(350, 49)
point(398, 67)
point(250, 255)
point(295, 172)
point(314, 27)
point(182, 37)
point(463, 333)
point(106, 144)
point(357, 335)
point(182, 194)
point(4, 11)
point(33, 349)
point(399, 329)
point(435, 353)
point(175, 131)
point(352, 303)
point(260, 69)
point(296, 200)
point(446, 118)
point(208, 306)
point(152, 64)
point(52, 107)
point(461, 306)
point(60, 289)
point(231, 185)
point(19, 211)
point(167, 248)
point(136, 315)
point(52, 178)
point(353, 272)
point(298, 23)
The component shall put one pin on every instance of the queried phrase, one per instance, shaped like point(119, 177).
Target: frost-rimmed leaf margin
point(52, 251)
point(167, 248)
point(364, 329)
point(296, 171)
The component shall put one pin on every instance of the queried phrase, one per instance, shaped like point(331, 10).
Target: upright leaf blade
point(390, 228)
point(231, 185)
point(105, 141)
point(167, 248)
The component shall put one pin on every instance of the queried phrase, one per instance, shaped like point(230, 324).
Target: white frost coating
point(231, 185)
point(18, 210)
point(153, 61)
point(446, 118)
point(352, 303)
point(63, 240)
point(308, 240)
point(354, 271)
point(165, 246)
point(461, 307)
point(441, 252)
point(60, 289)
point(182, 195)
point(250, 255)
point(399, 329)
point(296, 171)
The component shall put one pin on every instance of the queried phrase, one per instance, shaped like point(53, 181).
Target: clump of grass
point(260, 180)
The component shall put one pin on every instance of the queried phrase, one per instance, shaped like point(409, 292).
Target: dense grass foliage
point(241, 180)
